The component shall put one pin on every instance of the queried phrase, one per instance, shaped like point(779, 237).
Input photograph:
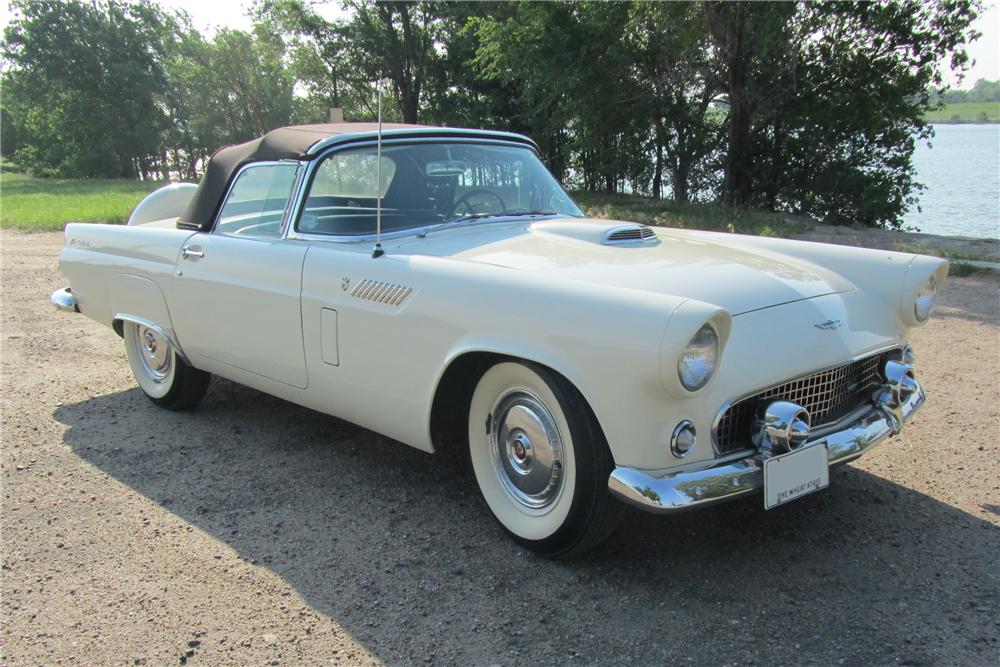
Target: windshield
point(427, 184)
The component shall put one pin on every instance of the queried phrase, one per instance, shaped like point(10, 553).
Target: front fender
point(606, 341)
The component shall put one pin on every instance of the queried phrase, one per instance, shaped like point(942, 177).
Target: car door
point(237, 289)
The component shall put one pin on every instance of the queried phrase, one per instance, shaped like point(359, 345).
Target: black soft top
point(299, 142)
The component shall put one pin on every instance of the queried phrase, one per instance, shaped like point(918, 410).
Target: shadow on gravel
point(399, 550)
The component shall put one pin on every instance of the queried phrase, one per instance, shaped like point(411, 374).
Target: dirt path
point(255, 532)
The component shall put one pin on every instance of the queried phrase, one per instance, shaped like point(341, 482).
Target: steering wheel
point(464, 199)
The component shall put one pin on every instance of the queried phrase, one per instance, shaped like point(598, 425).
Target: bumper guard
point(666, 492)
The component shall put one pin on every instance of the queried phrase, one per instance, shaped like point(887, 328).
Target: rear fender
point(139, 300)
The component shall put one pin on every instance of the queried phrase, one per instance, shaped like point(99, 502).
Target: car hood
point(711, 267)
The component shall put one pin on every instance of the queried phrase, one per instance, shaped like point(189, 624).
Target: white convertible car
point(581, 363)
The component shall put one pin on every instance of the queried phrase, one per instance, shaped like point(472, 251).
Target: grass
point(712, 217)
point(966, 112)
point(960, 270)
point(47, 204)
point(939, 252)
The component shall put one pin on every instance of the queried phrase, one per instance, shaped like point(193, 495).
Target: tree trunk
point(658, 168)
point(775, 171)
point(732, 41)
point(679, 183)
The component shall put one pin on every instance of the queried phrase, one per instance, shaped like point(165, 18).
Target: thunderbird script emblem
point(829, 324)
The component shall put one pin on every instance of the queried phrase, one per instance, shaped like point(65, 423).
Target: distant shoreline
point(956, 113)
point(965, 122)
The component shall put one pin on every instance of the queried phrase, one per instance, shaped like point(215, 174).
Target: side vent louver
point(631, 235)
point(379, 292)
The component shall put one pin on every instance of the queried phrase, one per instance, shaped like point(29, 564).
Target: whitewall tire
point(165, 378)
point(541, 460)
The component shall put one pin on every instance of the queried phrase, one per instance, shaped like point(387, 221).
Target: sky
point(210, 14)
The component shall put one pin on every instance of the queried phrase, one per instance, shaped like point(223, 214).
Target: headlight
point(698, 361)
point(925, 300)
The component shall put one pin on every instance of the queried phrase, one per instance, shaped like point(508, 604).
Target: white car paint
point(612, 320)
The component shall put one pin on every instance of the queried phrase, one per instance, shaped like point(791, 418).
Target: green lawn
point(966, 112)
point(46, 204)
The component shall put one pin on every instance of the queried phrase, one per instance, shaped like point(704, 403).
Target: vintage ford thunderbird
point(581, 364)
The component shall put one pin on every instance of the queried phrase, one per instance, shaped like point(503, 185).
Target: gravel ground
point(256, 532)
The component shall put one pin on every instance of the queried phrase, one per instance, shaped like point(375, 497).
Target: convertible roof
point(302, 142)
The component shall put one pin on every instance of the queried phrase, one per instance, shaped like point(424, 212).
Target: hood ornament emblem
point(829, 324)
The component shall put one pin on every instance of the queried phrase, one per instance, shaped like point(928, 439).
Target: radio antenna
point(378, 252)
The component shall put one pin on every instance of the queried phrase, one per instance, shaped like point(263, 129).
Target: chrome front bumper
point(666, 492)
point(64, 300)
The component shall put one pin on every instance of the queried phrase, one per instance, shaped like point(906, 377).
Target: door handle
point(189, 251)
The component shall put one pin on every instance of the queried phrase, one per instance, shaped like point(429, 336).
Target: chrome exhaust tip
point(785, 427)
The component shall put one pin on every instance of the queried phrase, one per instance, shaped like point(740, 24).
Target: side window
point(257, 201)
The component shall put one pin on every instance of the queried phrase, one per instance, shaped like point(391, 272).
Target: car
point(438, 286)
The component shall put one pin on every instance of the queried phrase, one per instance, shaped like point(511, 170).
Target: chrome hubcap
point(527, 451)
point(154, 353)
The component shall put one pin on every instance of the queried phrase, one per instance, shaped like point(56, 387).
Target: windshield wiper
point(533, 213)
point(477, 216)
point(473, 216)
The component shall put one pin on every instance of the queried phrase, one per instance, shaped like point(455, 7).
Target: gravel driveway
point(256, 532)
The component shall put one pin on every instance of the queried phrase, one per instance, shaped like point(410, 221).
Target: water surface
point(961, 170)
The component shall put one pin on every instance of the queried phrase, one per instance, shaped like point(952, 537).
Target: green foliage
point(83, 85)
point(120, 88)
point(795, 107)
point(827, 100)
point(46, 204)
point(225, 91)
point(688, 215)
point(984, 90)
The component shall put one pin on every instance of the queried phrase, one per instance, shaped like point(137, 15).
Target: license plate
point(795, 474)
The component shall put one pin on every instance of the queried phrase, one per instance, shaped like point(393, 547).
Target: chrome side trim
point(663, 492)
point(166, 334)
point(64, 300)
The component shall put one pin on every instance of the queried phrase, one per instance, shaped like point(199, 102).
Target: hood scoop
point(610, 232)
point(630, 235)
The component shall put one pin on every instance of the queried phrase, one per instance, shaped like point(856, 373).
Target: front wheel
point(541, 460)
point(165, 378)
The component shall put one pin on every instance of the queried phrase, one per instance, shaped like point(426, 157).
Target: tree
point(319, 59)
point(225, 91)
point(83, 85)
point(668, 45)
point(826, 101)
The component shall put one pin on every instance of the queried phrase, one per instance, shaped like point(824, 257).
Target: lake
point(961, 170)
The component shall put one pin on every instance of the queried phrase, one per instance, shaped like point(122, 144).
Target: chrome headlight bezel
point(923, 304)
point(700, 358)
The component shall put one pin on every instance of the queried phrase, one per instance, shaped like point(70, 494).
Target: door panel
point(237, 301)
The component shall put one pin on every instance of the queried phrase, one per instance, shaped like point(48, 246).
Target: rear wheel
point(541, 460)
point(165, 378)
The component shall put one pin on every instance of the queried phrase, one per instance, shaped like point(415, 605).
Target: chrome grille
point(828, 395)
